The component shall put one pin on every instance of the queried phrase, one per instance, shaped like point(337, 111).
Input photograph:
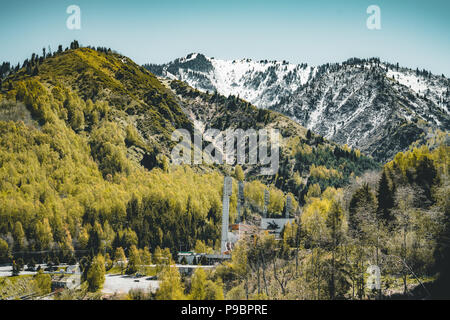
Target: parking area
point(116, 283)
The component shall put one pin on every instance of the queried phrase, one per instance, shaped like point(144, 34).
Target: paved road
point(7, 271)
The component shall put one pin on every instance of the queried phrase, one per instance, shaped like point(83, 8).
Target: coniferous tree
point(361, 206)
point(334, 223)
point(95, 238)
point(15, 268)
point(385, 199)
point(426, 177)
point(19, 236)
point(4, 250)
point(32, 264)
point(35, 71)
point(134, 260)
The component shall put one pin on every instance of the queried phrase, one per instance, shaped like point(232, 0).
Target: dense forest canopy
point(82, 128)
point(397, 220)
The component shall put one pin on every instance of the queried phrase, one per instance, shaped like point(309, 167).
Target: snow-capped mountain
point(376, 107)
point(262, 83)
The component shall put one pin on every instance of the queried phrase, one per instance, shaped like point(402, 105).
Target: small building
point(66, 282)
point(203, 258)
point(189, 257)
point(216, 258)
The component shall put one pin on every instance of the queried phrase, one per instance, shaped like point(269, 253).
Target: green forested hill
point(84, 145)
point(84, 169)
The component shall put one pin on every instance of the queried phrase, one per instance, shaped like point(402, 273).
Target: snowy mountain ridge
point(260, 82)
point(377, 107)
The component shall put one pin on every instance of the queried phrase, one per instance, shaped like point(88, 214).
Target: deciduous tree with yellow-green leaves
point(96, 274)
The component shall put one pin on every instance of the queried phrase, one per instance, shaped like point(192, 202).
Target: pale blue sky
point(414, 33)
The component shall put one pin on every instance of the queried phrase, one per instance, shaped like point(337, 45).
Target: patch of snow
point(409, 80)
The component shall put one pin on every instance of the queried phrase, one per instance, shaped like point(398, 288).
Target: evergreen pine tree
point(385, 199)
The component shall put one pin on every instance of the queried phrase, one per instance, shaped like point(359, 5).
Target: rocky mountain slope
point(263, 83)
point(376, 107)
